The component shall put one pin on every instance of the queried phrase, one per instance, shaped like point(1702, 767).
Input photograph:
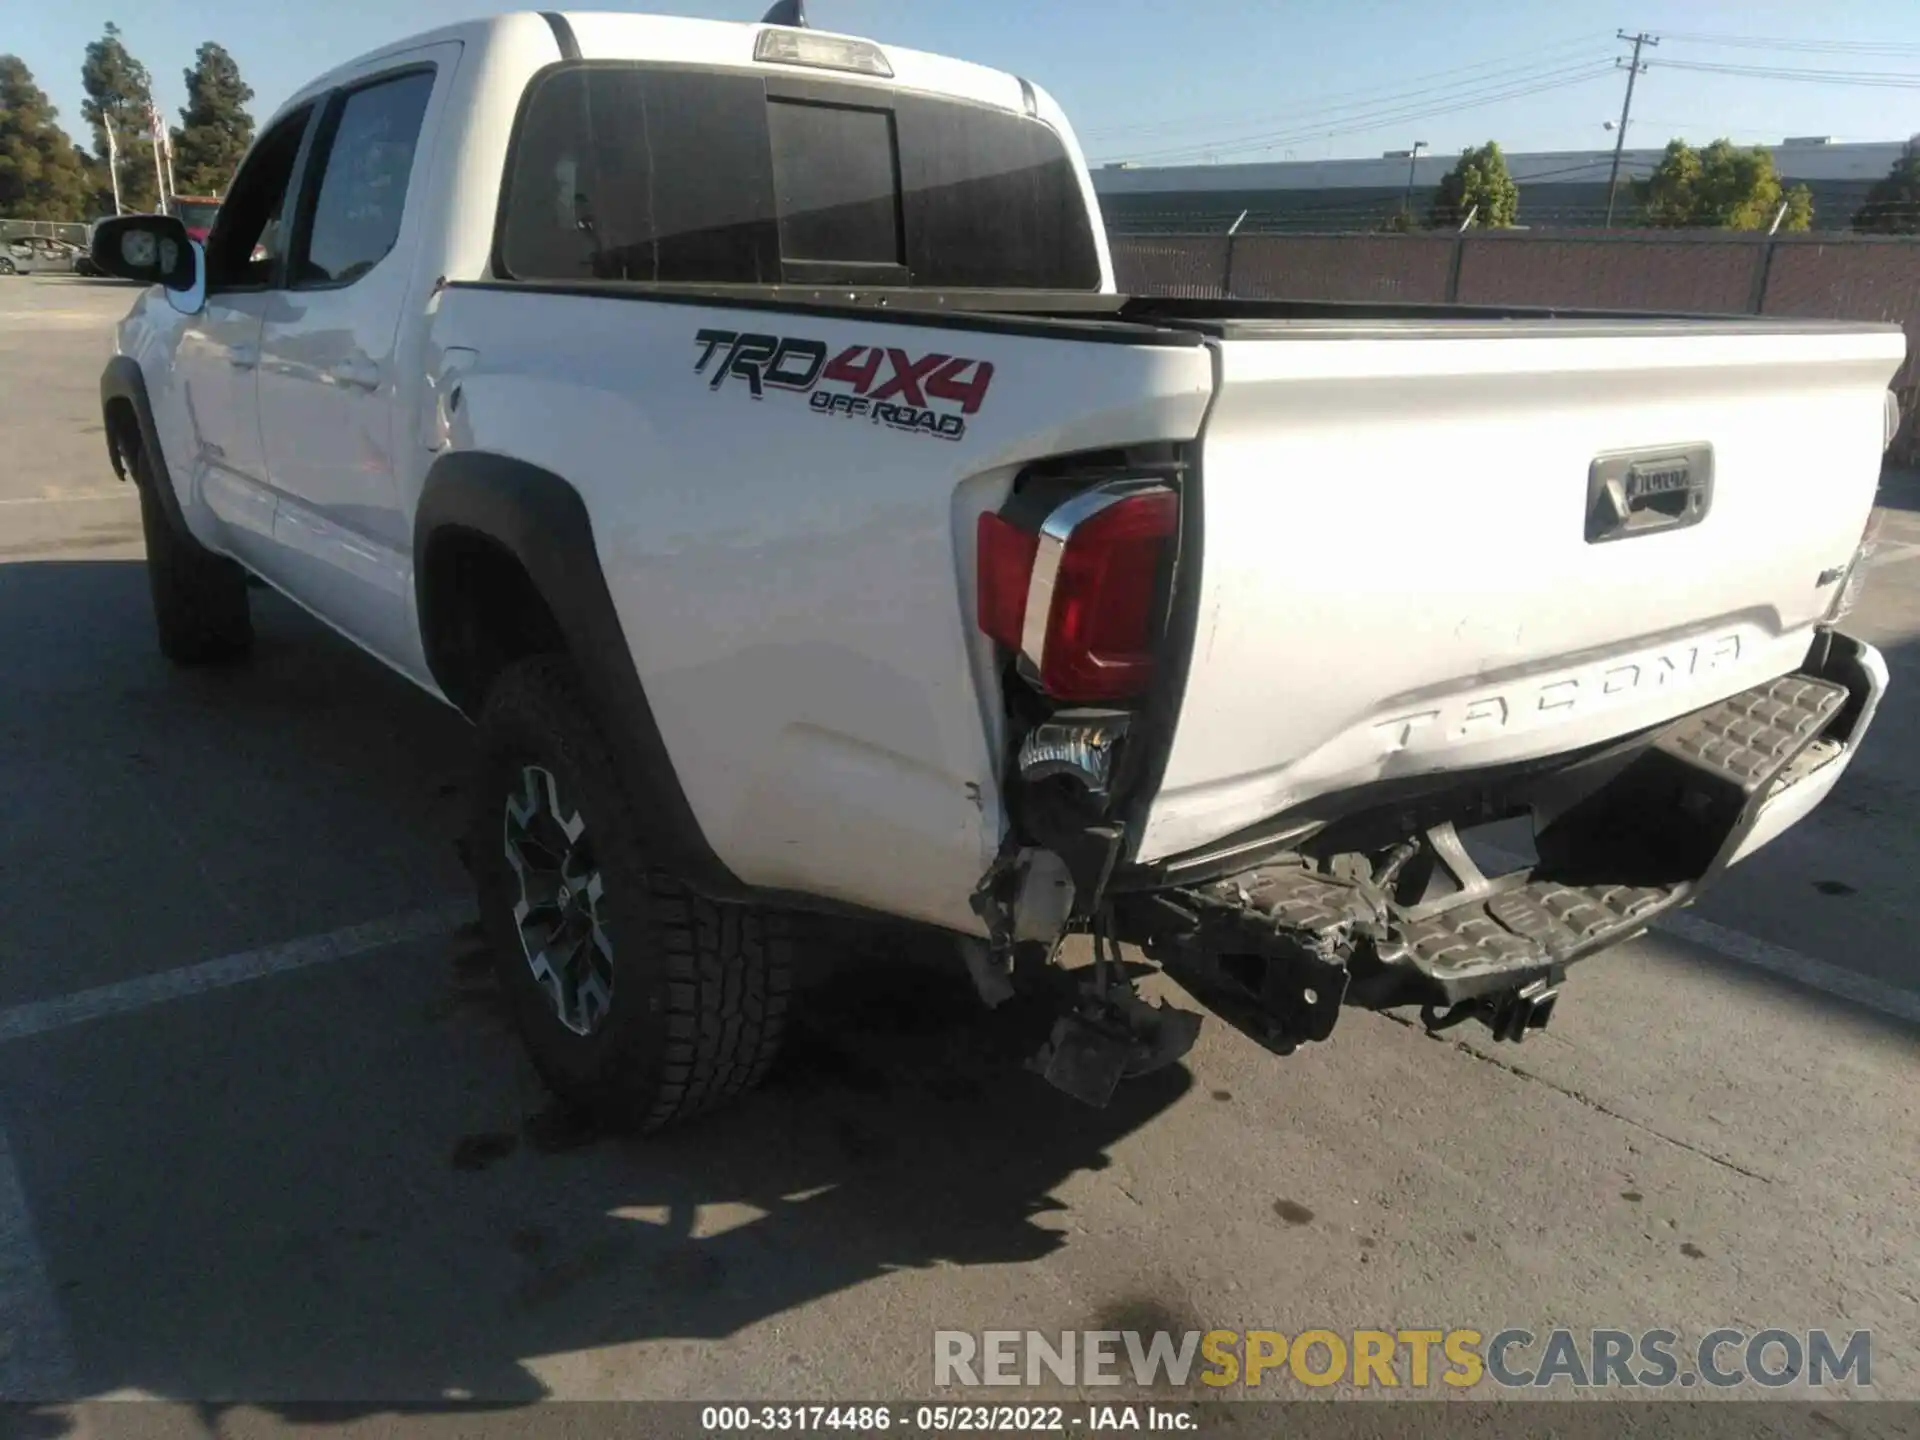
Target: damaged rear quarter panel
point(796, 582)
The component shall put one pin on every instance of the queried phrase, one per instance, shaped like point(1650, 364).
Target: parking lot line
point(1892, 555)
point(1792, 965)
point(85, 497)
point(38, 1017)
point(36, 1358)
point(1764, 955)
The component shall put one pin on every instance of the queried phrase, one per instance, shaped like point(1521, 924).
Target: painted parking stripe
point(38, 1017)
point(1792, 965)
point(1892, 555)
point(1760, 954)
point(90, 497)
point(36, 1356)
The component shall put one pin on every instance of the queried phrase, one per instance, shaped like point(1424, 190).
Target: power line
point(1318, 123)
point(1360, 124)
point(1885, 80)
point(1811, 47)
point(1372, 95)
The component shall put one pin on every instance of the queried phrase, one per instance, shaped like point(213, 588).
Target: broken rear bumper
point(1863, 670)
point(1279, 950)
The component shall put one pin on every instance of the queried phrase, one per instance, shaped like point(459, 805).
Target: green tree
point(99, 186)
point(1478, 185)
point(120, 94)
point(1892, 206)
point(215, 127)
point(1722, 187)
point(41, 177)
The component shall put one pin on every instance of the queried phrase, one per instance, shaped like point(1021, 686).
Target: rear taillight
point(1078, 601)
point(1005, 569)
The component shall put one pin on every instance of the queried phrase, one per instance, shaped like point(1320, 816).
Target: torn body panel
point(1279, 949)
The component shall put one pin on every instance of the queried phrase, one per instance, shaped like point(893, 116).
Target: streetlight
point(1413, 157)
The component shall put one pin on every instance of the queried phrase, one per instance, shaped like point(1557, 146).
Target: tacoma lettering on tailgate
point(930, 394)
point(1539, 704)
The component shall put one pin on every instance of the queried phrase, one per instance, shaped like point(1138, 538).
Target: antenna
point(790, 13)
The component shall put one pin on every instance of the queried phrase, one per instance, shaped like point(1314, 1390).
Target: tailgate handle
point(1642, 492)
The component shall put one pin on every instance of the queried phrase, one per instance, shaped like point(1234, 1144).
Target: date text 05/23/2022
point(933, 1419)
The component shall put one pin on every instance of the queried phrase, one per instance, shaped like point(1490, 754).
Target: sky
point(1197, 81)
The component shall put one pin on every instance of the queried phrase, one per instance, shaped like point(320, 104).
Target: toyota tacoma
point(740, 425)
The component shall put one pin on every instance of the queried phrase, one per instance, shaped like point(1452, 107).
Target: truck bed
point(1408, 565)
point(1386, 565)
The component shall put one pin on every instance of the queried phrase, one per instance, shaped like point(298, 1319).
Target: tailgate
point(1436, 546)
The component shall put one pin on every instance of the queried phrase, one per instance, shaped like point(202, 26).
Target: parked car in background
point(197, 213)
point(37, 254)
point(83, 263)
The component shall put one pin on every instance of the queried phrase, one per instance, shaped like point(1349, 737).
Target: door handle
point(358, 372)
point(243, 357)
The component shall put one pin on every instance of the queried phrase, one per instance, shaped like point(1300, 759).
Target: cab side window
point(249, 237)
point(367, 146)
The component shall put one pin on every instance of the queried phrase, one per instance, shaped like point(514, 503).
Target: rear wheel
point(199, 598)
point(636, 998)
point(7, 266)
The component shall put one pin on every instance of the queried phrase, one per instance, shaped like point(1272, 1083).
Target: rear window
point(623, 172)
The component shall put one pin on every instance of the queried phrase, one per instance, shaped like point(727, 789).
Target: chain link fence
point(73, 234)
point(1855, 277)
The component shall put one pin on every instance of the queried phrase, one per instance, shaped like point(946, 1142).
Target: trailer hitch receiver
point(1509, 1014)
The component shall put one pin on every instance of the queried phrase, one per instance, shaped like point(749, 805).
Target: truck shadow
point(340, 1192)
point(1900, 489)
point(344, 1185)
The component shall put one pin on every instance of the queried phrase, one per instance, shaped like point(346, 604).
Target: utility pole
point(159, 133)
point(1634, 67)
point(163, 150)
point(1413, 158)
point(113, 161)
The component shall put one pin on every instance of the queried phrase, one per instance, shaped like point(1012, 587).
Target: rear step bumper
point(1277, 951)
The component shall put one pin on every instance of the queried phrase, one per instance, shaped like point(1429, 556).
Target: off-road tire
point(700, 990)
point(199, 598)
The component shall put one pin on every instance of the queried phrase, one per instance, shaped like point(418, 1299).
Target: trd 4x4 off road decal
point(930, 394)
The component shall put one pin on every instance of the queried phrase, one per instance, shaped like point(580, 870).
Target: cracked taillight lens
point(1077, 600)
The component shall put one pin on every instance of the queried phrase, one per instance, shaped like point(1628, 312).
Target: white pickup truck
point(740, 425)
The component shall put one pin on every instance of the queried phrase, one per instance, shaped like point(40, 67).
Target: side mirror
point(150, 249)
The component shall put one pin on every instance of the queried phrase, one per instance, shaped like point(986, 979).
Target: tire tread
point(200, 606)
point(725, 971)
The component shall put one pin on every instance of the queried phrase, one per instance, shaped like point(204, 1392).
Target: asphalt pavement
point(282, 1148)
